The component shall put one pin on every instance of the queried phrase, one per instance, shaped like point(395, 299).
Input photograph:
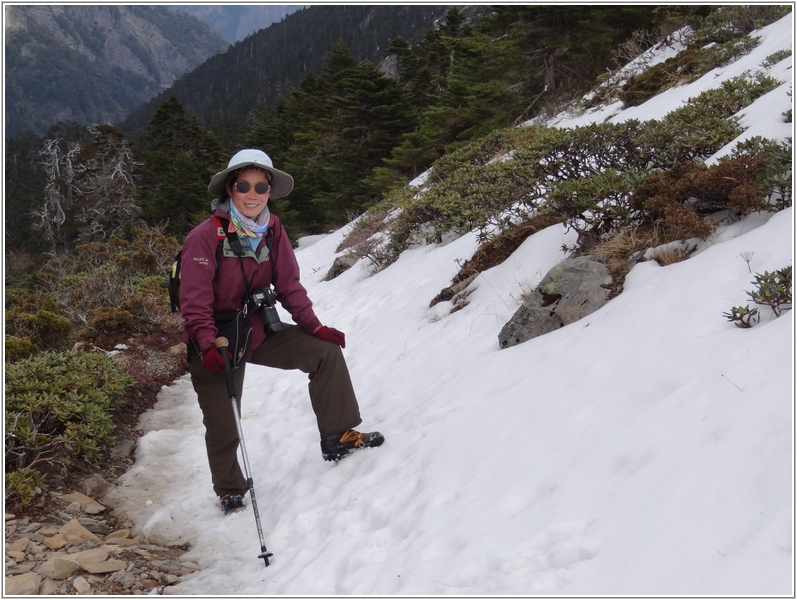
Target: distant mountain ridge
point(252, 74)
point(95, 63)
point(236, 21)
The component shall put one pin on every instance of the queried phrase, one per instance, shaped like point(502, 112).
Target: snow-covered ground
point(644, 450)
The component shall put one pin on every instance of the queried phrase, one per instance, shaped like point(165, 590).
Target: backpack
point(173, 284)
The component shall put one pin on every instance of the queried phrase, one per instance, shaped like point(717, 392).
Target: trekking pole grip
point(221, 345)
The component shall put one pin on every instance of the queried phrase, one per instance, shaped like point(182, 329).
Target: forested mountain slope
point(255, 72)
point(235, 21)
point(94, 64)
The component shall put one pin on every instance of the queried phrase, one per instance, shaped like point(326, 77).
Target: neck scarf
point(251, 230)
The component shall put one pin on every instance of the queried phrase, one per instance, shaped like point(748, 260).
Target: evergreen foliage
point(772, 289)
point(330, 134)
point(180, 161)
point(230, 90)
point(601, 179)
point(57, 404)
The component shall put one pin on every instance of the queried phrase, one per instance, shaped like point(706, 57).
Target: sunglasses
point(243, 187)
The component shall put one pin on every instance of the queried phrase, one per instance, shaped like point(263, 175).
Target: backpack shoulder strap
point(270, 233)
point(221, 235)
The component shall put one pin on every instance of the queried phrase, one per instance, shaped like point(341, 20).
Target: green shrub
point(18, 348)
point(59, 403)
point(23, 485)
point(775, 58)
point(775, 179)
point(654, 80)
point(730, 22)
point(107, 326)
point(743, 317)
point(588, 176)
point(107, 290)
point(46, 328)
point(772, 289)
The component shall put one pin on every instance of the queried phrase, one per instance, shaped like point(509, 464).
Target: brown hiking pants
point(331, 395)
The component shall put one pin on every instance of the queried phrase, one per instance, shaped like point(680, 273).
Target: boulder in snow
point(570, 291)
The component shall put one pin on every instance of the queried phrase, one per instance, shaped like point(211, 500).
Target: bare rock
point(103, 566)
point(122, 534)
point(19, 545)
point(80, 585)
point(88, 505)
point(60, 568)
point(570, 291)
point(55, 542)
point(26, 584)
point(123, 449)
point(178, 349)
point(76, 533)
point(95, 486)
point(49, 587)
point(342, 264)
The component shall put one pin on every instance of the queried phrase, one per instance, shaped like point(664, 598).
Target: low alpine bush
point(58, 406)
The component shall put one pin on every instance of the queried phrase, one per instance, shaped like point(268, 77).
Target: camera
point(264, 300)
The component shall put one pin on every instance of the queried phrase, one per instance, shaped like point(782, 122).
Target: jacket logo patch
point(202, 261)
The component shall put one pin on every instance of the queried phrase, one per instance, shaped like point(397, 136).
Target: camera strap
point(235, 246)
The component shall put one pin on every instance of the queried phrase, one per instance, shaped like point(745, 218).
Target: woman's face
point(250, 203)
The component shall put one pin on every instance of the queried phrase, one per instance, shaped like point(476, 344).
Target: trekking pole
point(221, 344)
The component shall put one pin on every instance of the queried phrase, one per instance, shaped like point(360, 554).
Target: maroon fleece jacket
point(200, 296)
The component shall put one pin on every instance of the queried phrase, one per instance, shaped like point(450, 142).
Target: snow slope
point(646, 449)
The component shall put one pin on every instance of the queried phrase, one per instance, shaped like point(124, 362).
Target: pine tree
point(180, 161)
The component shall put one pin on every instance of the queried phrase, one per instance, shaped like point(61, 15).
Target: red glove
point(328, 334)
point(212, 360)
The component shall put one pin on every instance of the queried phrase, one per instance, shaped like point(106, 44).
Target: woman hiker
point(263, 257)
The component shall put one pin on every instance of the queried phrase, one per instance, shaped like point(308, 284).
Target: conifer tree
point(180, 161)
point(25, 182)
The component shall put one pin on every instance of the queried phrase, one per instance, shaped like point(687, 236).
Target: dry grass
point(620, 253)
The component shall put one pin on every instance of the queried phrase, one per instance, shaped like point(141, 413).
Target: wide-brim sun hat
point(281, 182)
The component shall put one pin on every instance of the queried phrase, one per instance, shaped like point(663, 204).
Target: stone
point(149, 584)
point(50, 588)
point(103, 566)
point(95, 486)
point(73, 509)
point(340, 265)
point(26, 584)
point(90, 555)
point(55, 542)
point(178, 349)
point(89, 505)
point(80, 585)
point(32, 528)
point(123, 449)
point(122, 534)
point(76, 533)
point(15, 554)
point(94, 526)
point(19, 545)
point(570, 291)
point(25, 567)
point(60, 568)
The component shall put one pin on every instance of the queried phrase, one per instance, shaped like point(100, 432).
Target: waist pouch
point(232, 325)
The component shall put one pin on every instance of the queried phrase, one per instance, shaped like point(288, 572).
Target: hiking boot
point(336, 447)
point(231, 503)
